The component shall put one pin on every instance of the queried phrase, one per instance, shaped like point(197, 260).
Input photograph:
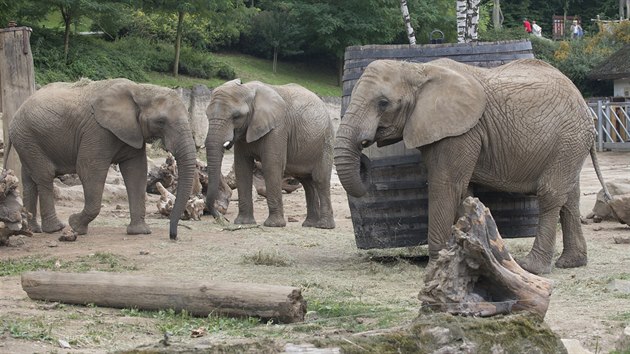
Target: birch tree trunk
point(467, 20)
point(497, 15)
point(405, 12)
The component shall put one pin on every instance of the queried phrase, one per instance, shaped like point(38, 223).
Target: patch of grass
point(183, 323)
point(18, 266)
point(267, 258)
point(319, 79)
point(29, 329)
point(102, 261)
point(353, 316)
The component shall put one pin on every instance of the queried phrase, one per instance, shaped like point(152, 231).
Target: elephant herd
point(521, 127)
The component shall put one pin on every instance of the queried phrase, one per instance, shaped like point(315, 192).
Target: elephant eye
point(382, 104)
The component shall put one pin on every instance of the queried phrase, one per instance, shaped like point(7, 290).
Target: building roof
point(617, 66)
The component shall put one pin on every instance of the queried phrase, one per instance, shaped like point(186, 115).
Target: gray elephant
point(522, 127)
point(84, 127)
point(287, 128)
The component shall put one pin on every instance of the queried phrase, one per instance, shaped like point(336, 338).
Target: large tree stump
point(476, 275)
point(17, 80)
point(269, 302)
point(13, 216)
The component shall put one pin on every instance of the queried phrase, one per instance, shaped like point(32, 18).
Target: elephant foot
point(52, 226)
point(534, 265)
point(245, 220)
point(571, 260)
point(35, 227)
point(139, 228)
point(76, 224)
point(320, 224)
point(275, 222)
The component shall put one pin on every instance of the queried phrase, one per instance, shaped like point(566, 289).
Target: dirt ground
point(326, 264)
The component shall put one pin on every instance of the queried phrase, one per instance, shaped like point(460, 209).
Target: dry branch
point(476, 275)
point(200, 298)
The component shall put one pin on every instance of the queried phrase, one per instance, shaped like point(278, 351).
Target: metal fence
point(612, 123)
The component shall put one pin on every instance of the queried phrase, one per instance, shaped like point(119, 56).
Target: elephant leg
point(312, 202)
point(539, 259)
point(93, 174)
point(574, 244)
point(45, 193)
point(450, 165)
point(244, 170)
point(322, 188)
point(134, 172)
point(30, 200)
point(273, 168)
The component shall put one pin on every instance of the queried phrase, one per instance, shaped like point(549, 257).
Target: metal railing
point(612, 121)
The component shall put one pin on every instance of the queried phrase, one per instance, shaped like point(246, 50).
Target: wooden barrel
point(394, 212)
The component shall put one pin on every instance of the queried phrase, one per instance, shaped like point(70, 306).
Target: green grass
point(182, 323)
point(102, 261)
point(321, 80)
point(267, 258)
point(29, 329)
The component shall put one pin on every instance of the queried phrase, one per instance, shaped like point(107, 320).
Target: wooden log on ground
point(283, 304)
point(476, 275)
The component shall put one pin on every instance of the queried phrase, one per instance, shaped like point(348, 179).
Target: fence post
point(600, 127)
point(17, 80)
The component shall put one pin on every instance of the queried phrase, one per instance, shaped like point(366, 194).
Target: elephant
point(83, 128)
point(521, 127)
point(288, 129)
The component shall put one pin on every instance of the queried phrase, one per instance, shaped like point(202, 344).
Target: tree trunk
point(200, 298)
point(178, 42)
point(497, 15)
point(477, 276)
point(67, 20)
point(275, 58)
point(405, 12)
point(467, 20)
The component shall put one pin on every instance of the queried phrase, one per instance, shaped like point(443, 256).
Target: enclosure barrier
point(394, 212)
point(612, 120)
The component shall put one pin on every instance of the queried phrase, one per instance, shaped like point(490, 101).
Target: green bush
point(129, 57)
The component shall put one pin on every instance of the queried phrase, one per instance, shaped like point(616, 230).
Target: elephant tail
point(607, 195)
point(7, 151)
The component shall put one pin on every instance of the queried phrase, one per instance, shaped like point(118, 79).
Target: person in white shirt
point(536, 29)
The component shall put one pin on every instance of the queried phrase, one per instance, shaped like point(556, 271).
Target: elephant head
point(237, 112)
point(394, 100)
point(137, 113)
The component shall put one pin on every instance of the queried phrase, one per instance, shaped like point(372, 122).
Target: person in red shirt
point(527, 25)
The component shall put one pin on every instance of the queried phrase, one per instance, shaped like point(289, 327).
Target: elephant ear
point(268, 110)
point(448, 104)
point(117, 111)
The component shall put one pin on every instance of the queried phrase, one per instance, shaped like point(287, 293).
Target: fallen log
point(476, 275)
point(283, 304)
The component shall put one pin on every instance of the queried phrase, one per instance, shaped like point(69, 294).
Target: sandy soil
point(325, 263)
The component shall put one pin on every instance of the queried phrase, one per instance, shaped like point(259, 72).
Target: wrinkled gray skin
point(522, 127)
point(288, 129)
point(84, 127)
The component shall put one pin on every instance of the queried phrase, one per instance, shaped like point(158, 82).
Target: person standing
point(576, 30)
point(527, 25)
point(536, 29)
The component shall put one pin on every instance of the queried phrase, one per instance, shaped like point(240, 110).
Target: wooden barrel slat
point(394, 213)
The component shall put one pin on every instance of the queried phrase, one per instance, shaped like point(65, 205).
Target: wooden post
point(17, 80)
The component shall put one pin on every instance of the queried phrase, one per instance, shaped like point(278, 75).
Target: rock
point(291, 348)
point(617, 188)
point(621, 239)
point(574, 347)
point(623, 343)
point(622, 286)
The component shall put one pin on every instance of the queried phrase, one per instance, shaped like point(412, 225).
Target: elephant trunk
point(214, 153)
point(183, 150)
point(352, 166)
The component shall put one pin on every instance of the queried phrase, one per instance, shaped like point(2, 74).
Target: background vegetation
point(173, 42)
